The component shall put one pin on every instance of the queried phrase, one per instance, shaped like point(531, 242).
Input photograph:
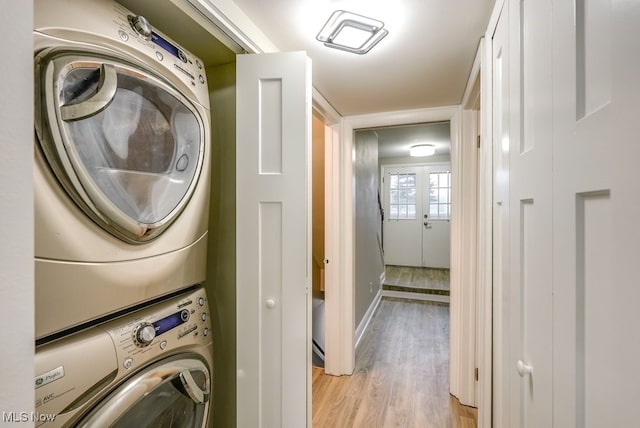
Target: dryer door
point(170, 394)
point(124, 143)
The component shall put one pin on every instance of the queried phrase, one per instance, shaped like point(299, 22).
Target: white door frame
point(471, 253)
point(334, 327)
point(486, 346)
point(463, 322)
point(347, 199)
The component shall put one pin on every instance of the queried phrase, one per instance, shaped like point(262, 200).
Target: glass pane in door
point(440, 195)
point(402, 195)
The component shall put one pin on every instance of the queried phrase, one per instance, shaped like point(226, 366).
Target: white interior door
point(403, 215)
point(531, 256)
point(436, 216)
point(596, 340)
point(567, 200)
point(273, 239)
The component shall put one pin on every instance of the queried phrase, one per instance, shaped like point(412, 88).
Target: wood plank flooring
point(401, 378)
point(412, 278)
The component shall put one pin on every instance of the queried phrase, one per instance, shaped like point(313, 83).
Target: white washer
point(122, 153)
point(151, 368)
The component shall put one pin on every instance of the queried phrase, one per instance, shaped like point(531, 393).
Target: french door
point(417, 204)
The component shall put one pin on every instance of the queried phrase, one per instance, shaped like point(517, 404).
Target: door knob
point(523, 369)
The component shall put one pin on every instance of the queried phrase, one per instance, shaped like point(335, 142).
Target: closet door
point(530, 362)
point(596, 340)
point(273, 230)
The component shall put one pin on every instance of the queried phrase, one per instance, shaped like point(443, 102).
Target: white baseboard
point(362, 327)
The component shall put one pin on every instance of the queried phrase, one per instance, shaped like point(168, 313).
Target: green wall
point(221, 258)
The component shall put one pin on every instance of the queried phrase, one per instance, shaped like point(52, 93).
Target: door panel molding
point(273, 238)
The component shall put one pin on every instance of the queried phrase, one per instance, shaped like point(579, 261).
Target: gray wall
point(369, 263)
point(221, 264)
point(410, 160)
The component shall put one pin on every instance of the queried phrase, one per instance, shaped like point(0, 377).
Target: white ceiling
point(394, 142)
point(424, 61)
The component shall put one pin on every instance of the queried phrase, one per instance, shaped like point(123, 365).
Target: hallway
point(401, 376)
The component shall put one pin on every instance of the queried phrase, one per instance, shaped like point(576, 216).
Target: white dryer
point(122, 153)
point(149, 369)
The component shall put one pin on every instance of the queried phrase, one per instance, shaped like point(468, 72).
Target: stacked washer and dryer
point(123, 333)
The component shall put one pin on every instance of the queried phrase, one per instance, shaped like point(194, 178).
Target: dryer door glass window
point(127, 145)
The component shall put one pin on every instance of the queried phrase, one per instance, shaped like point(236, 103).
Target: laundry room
point(133, 214)
point(132, 217)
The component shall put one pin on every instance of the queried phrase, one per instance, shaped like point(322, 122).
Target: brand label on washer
point(50, 376)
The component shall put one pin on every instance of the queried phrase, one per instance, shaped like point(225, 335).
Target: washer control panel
point(141, 26)
point(107, 23)
point(137, 31)
point(145, 332)
point(70, 368)
point(179, 322)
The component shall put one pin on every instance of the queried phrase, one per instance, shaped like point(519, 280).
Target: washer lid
point(126, 146)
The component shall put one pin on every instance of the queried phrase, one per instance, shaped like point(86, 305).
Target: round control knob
point(141, 26)
point(144, 334)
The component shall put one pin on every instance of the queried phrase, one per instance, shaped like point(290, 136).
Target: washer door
point(170, 394)
point(126, 146)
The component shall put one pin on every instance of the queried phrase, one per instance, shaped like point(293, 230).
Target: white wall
point(16, 208)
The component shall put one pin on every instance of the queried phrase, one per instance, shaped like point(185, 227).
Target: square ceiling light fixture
point(351, 32)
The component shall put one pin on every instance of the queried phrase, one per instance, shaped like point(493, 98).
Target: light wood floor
point(417, 277)
point(401, 377)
